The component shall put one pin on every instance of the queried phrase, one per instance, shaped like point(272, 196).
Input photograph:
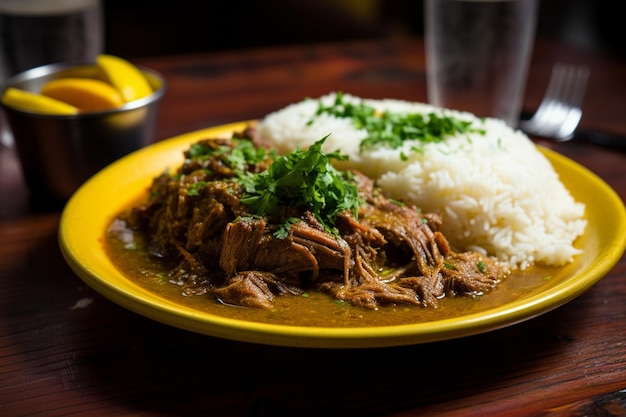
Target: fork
point(560, 110)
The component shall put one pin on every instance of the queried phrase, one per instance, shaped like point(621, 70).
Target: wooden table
point(61, 357)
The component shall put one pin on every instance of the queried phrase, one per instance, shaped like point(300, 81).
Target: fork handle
point(607, 140)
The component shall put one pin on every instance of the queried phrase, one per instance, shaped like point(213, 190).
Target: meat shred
point(389, 254)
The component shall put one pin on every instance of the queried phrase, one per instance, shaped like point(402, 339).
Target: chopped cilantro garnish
point(397, 202)
point(194, 188)
point(245, 153)
point(283, 229)
point(241, 154)
point(450, 266)
point(393, 129)
point(306, 179)
point(200, 151)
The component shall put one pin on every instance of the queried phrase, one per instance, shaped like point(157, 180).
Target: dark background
point(165, 27)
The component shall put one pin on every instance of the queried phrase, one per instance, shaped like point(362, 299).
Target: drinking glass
point(478, 53)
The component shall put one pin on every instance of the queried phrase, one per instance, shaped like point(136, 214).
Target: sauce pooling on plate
point(237, 225)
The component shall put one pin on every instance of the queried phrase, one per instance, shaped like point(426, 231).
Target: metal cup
point(60, 152)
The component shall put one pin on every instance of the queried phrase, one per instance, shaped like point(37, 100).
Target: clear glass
point(478, 53)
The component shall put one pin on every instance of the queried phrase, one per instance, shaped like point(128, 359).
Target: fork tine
point(560, 81)
point(554, 88)
point(539, 121)
point(577, 85)
point(560, 111)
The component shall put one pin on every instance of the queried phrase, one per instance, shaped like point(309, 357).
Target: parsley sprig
point(305, 179)
point(393, 129)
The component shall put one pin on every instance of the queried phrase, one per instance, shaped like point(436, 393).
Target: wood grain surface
point(67, 351)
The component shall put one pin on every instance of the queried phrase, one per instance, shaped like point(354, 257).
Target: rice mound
point(495, 191)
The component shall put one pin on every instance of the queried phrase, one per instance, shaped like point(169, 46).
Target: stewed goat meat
point(385, 252)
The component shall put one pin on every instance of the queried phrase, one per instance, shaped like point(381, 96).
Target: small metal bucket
point(59, 152)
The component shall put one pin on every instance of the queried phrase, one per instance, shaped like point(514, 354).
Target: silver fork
point(560, 111)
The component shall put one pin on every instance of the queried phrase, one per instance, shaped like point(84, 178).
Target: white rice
point(495, 191)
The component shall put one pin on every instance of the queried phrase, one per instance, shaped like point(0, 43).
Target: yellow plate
point(89, 212)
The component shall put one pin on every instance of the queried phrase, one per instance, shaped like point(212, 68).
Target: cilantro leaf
point(393, 129)
point(245, 153)
point(305, 179)
point(237, 157)
point(194, 188)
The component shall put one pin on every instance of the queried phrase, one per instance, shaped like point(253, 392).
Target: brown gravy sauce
point(319, 309)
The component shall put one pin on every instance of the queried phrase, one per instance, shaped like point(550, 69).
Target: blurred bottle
point(40, 32)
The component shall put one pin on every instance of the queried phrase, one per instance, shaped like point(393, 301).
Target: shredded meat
point(389, 254)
